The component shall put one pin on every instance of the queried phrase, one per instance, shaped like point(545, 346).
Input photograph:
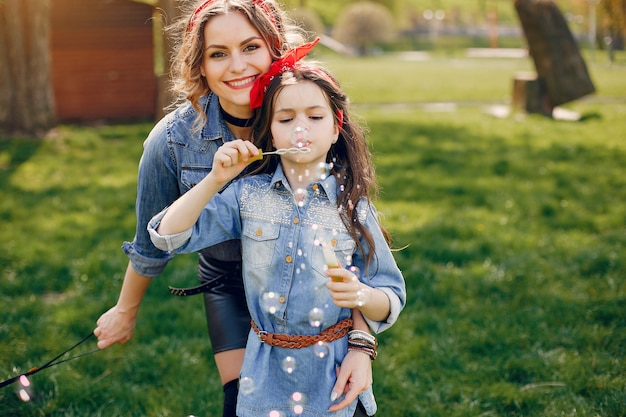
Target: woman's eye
point(251, 48)
point(219, 54)
point(285, 120)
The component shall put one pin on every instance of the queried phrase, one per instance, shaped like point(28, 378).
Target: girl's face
point(303, 118)
point(234, 56)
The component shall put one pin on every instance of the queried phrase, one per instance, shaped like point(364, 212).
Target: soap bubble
point(363, 296)
point(300, 197)
point(300, 137)
point(316, 317)
point(271, 301)
point(320, 349)
point(24, 389)
point(323, 170)
point(246, 385)
point(289, 364)
point(297, 402)
point(355, 270)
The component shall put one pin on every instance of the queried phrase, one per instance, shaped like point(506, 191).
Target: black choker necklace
point(235, 121)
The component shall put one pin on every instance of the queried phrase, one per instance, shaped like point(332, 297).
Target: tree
point(364, 24)
point(26, 97)
point(309, 21)
point(616, 23)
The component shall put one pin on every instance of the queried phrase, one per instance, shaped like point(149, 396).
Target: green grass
point(514, 251)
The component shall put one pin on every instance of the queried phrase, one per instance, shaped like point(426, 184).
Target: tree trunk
point(26, 99)
point(167, 12)
point(561, 70)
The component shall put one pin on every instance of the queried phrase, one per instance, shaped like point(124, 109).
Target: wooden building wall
point(102, 60)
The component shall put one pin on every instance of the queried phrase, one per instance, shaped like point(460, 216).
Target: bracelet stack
point(363, 342)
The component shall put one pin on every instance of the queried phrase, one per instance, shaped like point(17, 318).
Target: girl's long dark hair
point(350, 157)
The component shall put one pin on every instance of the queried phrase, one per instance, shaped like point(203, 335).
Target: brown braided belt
point(334, 332)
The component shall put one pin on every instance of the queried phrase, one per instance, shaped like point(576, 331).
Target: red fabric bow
point(285, 63)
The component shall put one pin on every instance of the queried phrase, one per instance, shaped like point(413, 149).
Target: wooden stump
point(529, 95)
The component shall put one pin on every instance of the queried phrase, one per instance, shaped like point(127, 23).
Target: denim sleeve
point(384, 273)
point(219, 221)
point(157, 187)
point(167, 243)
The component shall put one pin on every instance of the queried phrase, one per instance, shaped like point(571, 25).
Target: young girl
point(311, 244)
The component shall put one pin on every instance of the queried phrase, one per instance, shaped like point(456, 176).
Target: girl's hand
point(231, 159)
point(353, 377)
point(345, 288)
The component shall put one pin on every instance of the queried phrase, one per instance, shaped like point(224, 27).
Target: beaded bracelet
point(362, 341)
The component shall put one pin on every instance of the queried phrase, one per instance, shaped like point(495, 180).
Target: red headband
point(285, 63)
point(261, 3)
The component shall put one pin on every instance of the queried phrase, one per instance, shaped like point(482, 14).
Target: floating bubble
point(246, 385)
point(271, 301)
point(316, 317)
point(298, 400)
point(24, 389)
point(320, 349)
point(300, 137)
point(363, 296)
point(323, 170)
point(355, 270)
point(300, 197)
point(289, 364)
point(275, 413)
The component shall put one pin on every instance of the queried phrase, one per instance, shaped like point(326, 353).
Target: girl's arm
point(228, 162)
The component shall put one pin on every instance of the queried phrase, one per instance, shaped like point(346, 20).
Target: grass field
point(513, 237)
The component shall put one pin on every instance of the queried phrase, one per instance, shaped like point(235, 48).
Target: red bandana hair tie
point(285, 63)
point(261, 3)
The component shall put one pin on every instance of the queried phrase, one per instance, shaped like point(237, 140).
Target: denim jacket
point(175, 158)
point(283, 269)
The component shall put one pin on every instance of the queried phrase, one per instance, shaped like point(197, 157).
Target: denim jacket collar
point(328, 184)
point(215, 127)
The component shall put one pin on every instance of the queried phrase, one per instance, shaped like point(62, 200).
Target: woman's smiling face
point(235, 55)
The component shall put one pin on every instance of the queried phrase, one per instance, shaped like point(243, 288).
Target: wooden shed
point(102, 60)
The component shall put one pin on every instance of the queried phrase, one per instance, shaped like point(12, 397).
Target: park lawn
point(511, 234)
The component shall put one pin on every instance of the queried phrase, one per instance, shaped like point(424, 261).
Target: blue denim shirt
point(175, 158)
point(283, 269)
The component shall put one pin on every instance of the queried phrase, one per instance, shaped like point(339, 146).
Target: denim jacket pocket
point(259, 242)
point(192, 175)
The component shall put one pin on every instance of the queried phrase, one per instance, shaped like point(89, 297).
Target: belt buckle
point(262, 336)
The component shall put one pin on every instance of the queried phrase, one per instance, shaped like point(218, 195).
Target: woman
point(225, 46)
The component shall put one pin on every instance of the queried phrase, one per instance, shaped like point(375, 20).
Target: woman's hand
point(115, 326)
point(353, 377)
